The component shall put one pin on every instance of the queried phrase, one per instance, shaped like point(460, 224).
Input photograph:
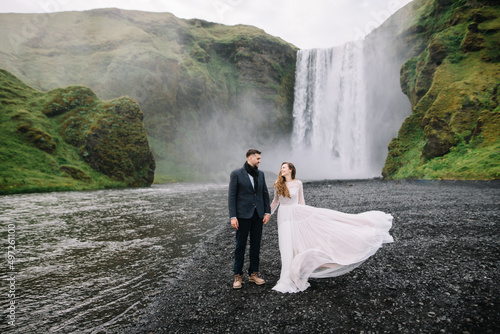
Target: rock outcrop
point(110, 135)
point(69, 139)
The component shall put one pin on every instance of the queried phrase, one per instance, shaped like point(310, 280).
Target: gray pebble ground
point(441, 275)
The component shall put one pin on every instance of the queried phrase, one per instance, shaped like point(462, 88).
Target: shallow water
point(86, 261)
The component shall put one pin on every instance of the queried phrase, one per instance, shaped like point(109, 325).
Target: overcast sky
point(305, 23)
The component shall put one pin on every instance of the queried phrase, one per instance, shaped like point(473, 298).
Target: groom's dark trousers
point(252, 226)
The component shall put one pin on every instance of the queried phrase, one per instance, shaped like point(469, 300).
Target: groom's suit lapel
point(246, 177)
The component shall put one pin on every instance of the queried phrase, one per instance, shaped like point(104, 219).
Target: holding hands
point(235, 224)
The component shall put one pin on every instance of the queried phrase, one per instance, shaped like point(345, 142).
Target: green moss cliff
point(452, 83)
point(207, 90)
point(68, 139)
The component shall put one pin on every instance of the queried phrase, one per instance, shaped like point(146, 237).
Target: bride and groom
point(313, 242)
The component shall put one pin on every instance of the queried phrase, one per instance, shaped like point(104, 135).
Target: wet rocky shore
point(441, 275)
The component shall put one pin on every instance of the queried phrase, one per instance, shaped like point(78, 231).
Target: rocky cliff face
point(69, 139)
point(206, 90)
point(452, 83)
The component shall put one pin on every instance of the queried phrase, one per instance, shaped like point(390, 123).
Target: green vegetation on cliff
point(68, 139)
point(454, 129)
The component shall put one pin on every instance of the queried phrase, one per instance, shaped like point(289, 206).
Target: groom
point(249, 209)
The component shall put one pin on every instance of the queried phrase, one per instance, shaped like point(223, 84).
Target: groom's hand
point(234, 223)
point(266, 218)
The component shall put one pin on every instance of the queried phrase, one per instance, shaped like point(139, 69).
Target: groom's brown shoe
point(238, 280)
point(254, 277)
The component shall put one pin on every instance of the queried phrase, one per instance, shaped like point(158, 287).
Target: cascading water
point(330, 111)
point(348, 106)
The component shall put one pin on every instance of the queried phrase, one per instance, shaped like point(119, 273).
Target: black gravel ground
point(441, 275)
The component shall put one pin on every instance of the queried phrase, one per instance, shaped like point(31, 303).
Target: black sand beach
point(439, 276)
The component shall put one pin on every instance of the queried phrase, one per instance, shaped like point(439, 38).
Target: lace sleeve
point(276, 201)
point(301, 194)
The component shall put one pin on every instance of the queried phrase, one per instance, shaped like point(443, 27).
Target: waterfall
point(330, 110)
point(348, 106)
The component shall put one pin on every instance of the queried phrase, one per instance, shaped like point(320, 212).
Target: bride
point(316, 242)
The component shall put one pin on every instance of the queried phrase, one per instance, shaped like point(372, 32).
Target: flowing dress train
point(319, 243)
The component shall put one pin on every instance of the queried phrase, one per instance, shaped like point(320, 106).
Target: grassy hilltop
point(69, 139)
point(453, 85)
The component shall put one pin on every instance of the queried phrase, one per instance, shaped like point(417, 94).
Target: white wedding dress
point(316, 242)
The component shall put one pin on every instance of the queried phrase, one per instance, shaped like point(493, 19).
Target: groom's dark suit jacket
point(243, 199)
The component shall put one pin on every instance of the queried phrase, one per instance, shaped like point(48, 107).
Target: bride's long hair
point(280, 185)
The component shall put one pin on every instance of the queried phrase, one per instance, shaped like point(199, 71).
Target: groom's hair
point(252, 151)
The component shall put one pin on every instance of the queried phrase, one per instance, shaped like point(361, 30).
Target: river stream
point(85, 261)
